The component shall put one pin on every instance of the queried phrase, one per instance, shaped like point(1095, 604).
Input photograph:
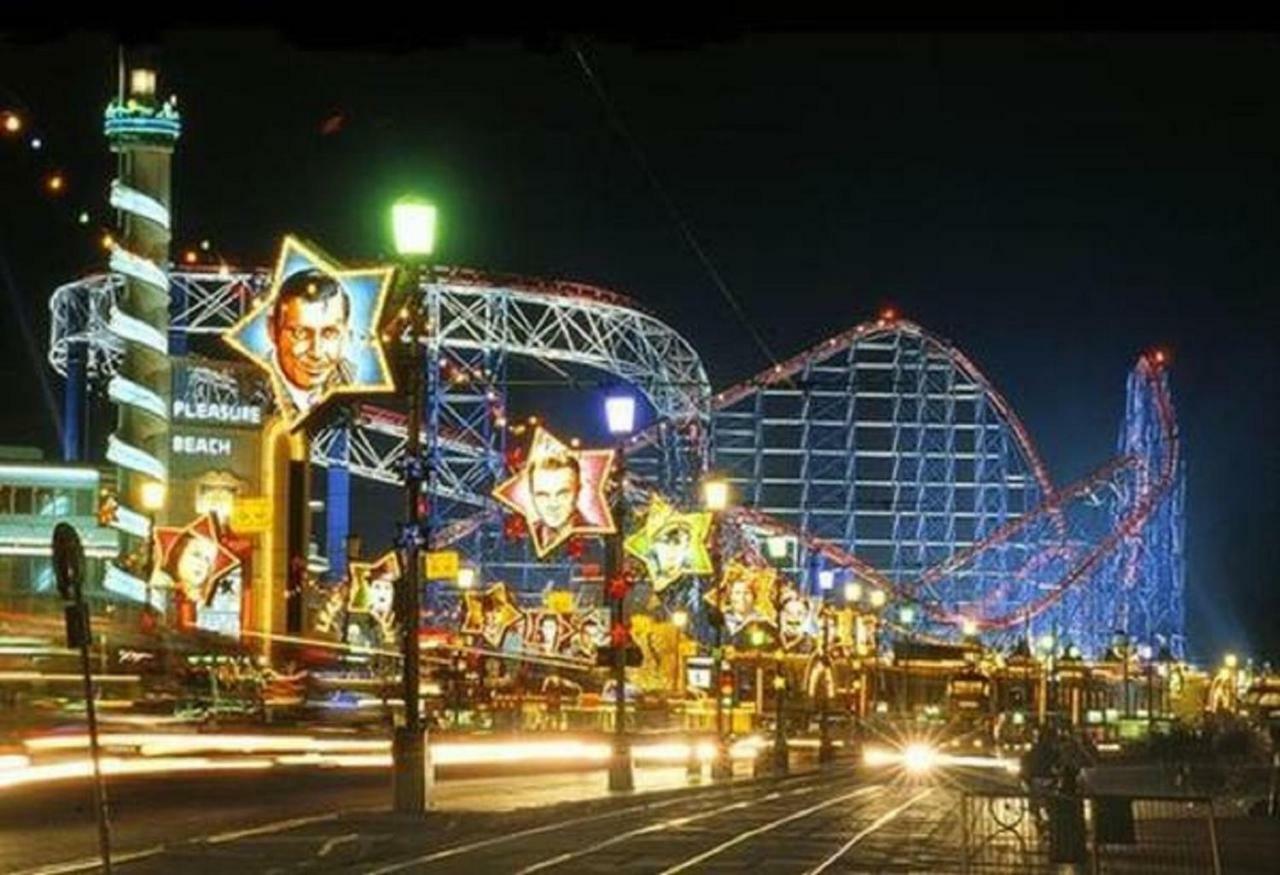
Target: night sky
point(1052, 204)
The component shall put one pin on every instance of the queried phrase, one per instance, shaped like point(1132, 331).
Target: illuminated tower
point(142, 132)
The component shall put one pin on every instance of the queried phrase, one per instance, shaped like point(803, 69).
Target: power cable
point(668, 203)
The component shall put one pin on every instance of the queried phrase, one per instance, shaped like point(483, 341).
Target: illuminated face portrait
point(194, 558)
point(795, 617)
point(317, 332)
point(742, 601)
point(382, 595)
point(193, 565)
point(671, 544)
point(671, 549)
point(748, 594)
point(553, 484)
point(489, 615)
point(560, 492)
point(308, 326)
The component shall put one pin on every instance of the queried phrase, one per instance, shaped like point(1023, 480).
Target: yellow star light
point(746, 594)
point(489, 614)
point(671, 544)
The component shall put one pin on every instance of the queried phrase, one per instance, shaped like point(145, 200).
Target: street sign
point(251, 515)
point(604, 656)
point(68, 561)
point(442, 565)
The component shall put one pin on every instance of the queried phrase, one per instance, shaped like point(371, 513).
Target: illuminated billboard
point(747, 596)
point(315, 333)
point(192, 560)
point(489, 615)
point(671, 544)
point(371, 602)
point(560, 492)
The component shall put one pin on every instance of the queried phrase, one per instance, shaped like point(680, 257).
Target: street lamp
point(466, 577)
point(778, 548)
point(413, 225)
point(826, 751)
point(715, 498)
point(620, 416)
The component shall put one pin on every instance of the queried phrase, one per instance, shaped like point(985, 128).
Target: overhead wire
point(673, 211)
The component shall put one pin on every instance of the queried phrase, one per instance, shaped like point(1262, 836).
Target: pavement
point(836, 819)
point(48, 827)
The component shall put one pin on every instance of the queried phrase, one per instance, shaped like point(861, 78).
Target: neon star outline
point(660, 517)
point(363, 572)
point(477, 605)
point(165, 538)
point(763, 583)
point(513, 493)
point(311, 254)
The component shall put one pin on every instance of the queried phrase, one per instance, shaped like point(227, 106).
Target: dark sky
point(1052, 204)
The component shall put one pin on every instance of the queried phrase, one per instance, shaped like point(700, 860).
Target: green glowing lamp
point(413, 224)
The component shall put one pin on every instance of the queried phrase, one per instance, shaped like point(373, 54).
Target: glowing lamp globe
point(852, 592)
point(826, 579)
point(715, 495)
point(778, 546)
point(620, 413)
point(413, 224)
point(466, 577)
point(152, 495)
point(680, 619)
point(877, 598)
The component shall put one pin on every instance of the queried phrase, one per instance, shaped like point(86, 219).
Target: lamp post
point(779, 548)
point(826, 752)
point(620, 416)
point(413, 225)
point(715, 498)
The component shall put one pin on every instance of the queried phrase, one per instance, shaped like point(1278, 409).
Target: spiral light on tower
point(142, 131)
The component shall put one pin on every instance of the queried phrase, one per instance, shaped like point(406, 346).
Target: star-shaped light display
point(373, 585)
point(317, 339)
point(194, 557)
point(560, 492)
point(489, 614)
point(746, 594)
point(799, 623)
point(671, 544)
point(547, 631)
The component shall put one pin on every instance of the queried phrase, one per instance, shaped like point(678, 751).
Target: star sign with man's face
point(560, 492)
point(671, 544)
point(315, 332)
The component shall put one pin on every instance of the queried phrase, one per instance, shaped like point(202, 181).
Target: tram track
point(684, 810)
point(812, 827)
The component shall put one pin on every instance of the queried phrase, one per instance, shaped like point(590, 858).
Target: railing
point(1008, 831)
